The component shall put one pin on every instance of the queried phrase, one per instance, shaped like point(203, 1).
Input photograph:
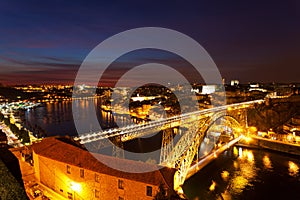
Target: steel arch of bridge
point(183, 153)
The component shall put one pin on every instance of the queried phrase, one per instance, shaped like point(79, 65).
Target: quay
point(269, 144)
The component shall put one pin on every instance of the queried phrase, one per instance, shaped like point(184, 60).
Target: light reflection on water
point(267, 162)
point(293, 169)
point(244, 173)
point(225, 175)
point(57, 118)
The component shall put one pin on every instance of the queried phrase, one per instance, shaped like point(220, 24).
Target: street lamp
point(76, 187)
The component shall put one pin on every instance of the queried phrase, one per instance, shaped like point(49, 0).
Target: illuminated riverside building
point(77, 174)
point(292, 128)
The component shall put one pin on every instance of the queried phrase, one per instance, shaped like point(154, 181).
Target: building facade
point(77, 174)
point(292, 128)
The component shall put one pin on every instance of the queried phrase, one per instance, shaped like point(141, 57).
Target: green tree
point(24, 136)
point(14, 128)
point(6, 121)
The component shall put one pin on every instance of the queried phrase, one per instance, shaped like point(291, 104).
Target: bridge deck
point(139, 130)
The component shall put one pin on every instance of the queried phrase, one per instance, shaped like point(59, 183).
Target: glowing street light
point(75, 186)
point(212, 186)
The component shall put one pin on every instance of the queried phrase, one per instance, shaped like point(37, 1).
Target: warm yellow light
point(225, 175)
point(238, 183)
point(250, 156)
point(247, 139)
point(213, 186)
point(235, 164)
point(75, 187)
point(246, 154)
point(253, 128)
point(267, 162)
point(239, 129)
point(290, 137)
point(293, 168)
point(235, 151)
point(194, 117)
point(180, 190)
point(169, 165)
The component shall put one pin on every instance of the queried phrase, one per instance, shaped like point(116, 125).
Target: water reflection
point(246, 174)
point(57, 118)
point(235, 164)
point(235, 151)
point(267, 162)
point(212, 187)
point(225, 175)
point(293, 169)
point(240, 152)
point(243, 175)
point(246, 154)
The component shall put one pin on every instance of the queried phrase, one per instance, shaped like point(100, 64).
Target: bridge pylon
point(166, 146)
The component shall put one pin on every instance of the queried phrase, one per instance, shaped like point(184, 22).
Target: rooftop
point(58, 150)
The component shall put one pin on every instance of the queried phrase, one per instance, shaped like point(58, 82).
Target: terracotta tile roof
point(57, 150)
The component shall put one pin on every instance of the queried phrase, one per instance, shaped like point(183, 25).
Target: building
point(234, 82)
point(208, 89)
point(77, 174)
point(292, 128)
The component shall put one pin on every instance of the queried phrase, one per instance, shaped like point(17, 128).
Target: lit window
point(97, 178)
point(97, 193)
point(149, 191)
point(82, 173)
point(121, 184)
point(68, 169)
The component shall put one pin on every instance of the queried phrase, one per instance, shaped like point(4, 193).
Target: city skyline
point(46, 42)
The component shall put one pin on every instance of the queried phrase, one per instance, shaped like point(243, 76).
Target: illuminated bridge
point(206, 133)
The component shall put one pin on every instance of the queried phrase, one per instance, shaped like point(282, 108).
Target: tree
point(6, 121)
point(14, 128)
point(24, 136)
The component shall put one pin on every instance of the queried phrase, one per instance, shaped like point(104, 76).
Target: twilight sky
point(46, 41)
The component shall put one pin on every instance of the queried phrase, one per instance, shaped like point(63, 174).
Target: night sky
point(46, 41)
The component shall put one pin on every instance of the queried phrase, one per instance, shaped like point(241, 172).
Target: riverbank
point(16, 134)
point(12, 139)
point(268, 144)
